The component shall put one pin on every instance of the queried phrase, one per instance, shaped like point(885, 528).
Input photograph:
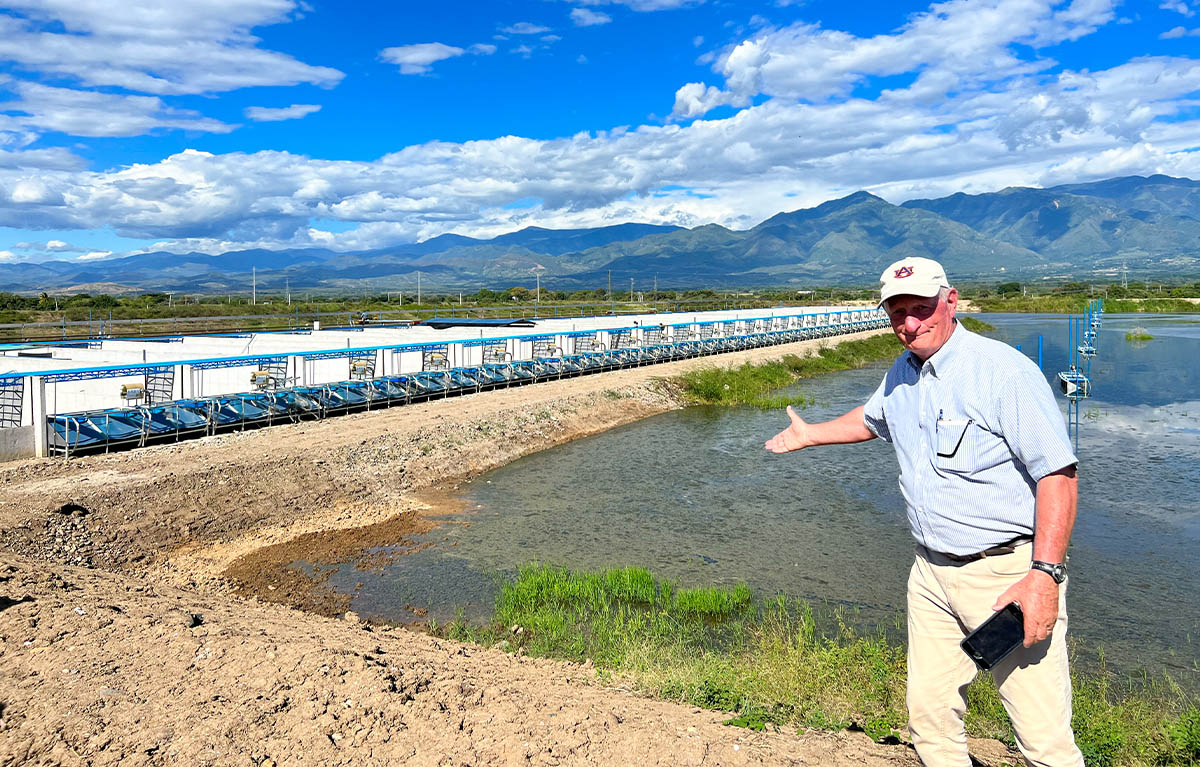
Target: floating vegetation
point(1138, 335)
point(751, 383)
point(975, 325)
point(767, 662)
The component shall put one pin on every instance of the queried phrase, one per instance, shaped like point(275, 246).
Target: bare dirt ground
point(148, 616)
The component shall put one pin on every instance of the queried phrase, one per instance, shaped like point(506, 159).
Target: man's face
point(922, 324)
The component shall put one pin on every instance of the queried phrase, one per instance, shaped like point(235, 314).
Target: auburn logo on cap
point(902, 272)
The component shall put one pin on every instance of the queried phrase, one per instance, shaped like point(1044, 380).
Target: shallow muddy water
point(693, 496)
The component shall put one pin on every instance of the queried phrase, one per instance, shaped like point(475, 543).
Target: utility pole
point(418, 287)
point(287, 283)
point(631, 290)
point(253, 285)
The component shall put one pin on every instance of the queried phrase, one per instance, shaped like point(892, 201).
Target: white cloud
point(645, 5)
point(416, 59)
point(1177, 32)
point(95, 255)
point(34, 191)
point(695, 99)
point(586, 18)
point(956, 44)
point(7, 255)
point(1179, 6)
point(275, 114)
point(90, 113)
point(524, 28)
point(199, 46)
point(50, 246)
point(522, 50)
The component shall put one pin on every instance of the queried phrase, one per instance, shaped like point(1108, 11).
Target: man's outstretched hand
point(1037, 594)
point(794, 437)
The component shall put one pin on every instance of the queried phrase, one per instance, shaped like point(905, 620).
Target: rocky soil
point(148, 616)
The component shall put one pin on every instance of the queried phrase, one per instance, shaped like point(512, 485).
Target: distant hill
point(1151, 224)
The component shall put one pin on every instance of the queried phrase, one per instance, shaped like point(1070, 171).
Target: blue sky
point(214, 125)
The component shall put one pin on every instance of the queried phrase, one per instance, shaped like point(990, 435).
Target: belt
point(995, 551)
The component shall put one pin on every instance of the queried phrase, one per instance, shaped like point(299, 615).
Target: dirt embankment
point(127, 638)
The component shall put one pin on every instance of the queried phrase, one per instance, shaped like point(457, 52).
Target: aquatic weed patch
point(751, 383)
point(769, 663)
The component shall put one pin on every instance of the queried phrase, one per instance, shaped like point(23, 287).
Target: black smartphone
point(996, 637)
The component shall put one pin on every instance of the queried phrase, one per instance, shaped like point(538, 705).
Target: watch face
point(1057, 572)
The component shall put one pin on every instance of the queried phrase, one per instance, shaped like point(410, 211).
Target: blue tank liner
point(523, 370)
point(182, 416)
point(240, 409)
point(463, 378)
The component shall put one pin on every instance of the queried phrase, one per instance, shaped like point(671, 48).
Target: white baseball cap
point(912, 277)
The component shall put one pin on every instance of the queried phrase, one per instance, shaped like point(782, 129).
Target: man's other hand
point(794, 437)
point(1037, 595)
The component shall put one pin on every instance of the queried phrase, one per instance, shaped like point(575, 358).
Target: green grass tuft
point(1138, 334)
point(750, 384)
point(769, 665)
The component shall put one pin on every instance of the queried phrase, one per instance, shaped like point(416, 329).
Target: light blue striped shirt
point(974, 428)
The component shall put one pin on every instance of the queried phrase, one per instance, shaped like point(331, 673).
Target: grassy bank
point(975, 325)
point(751, 384)
point(768, 664)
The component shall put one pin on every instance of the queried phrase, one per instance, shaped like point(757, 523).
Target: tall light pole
point(537, 270)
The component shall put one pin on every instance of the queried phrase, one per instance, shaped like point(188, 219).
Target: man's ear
point(952, 301)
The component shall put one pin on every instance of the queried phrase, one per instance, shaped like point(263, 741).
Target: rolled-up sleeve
point(1032, 424)
point(873, 416)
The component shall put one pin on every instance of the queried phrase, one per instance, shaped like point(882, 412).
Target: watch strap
point(1057, 572)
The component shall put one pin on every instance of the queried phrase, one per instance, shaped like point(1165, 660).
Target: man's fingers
point(1035, 634)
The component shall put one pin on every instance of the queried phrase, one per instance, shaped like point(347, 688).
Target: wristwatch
point(1057, 572)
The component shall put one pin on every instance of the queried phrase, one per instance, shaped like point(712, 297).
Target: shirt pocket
point(956, 449)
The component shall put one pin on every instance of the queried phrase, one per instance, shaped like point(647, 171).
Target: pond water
point(693, 496)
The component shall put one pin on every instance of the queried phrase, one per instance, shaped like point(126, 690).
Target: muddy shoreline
point(147, 611)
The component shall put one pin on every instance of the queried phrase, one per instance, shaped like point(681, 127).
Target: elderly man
point(988, 479)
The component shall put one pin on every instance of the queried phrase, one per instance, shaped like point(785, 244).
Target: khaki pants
point(946, 601)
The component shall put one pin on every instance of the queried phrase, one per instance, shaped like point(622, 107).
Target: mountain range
point(1077, 231)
